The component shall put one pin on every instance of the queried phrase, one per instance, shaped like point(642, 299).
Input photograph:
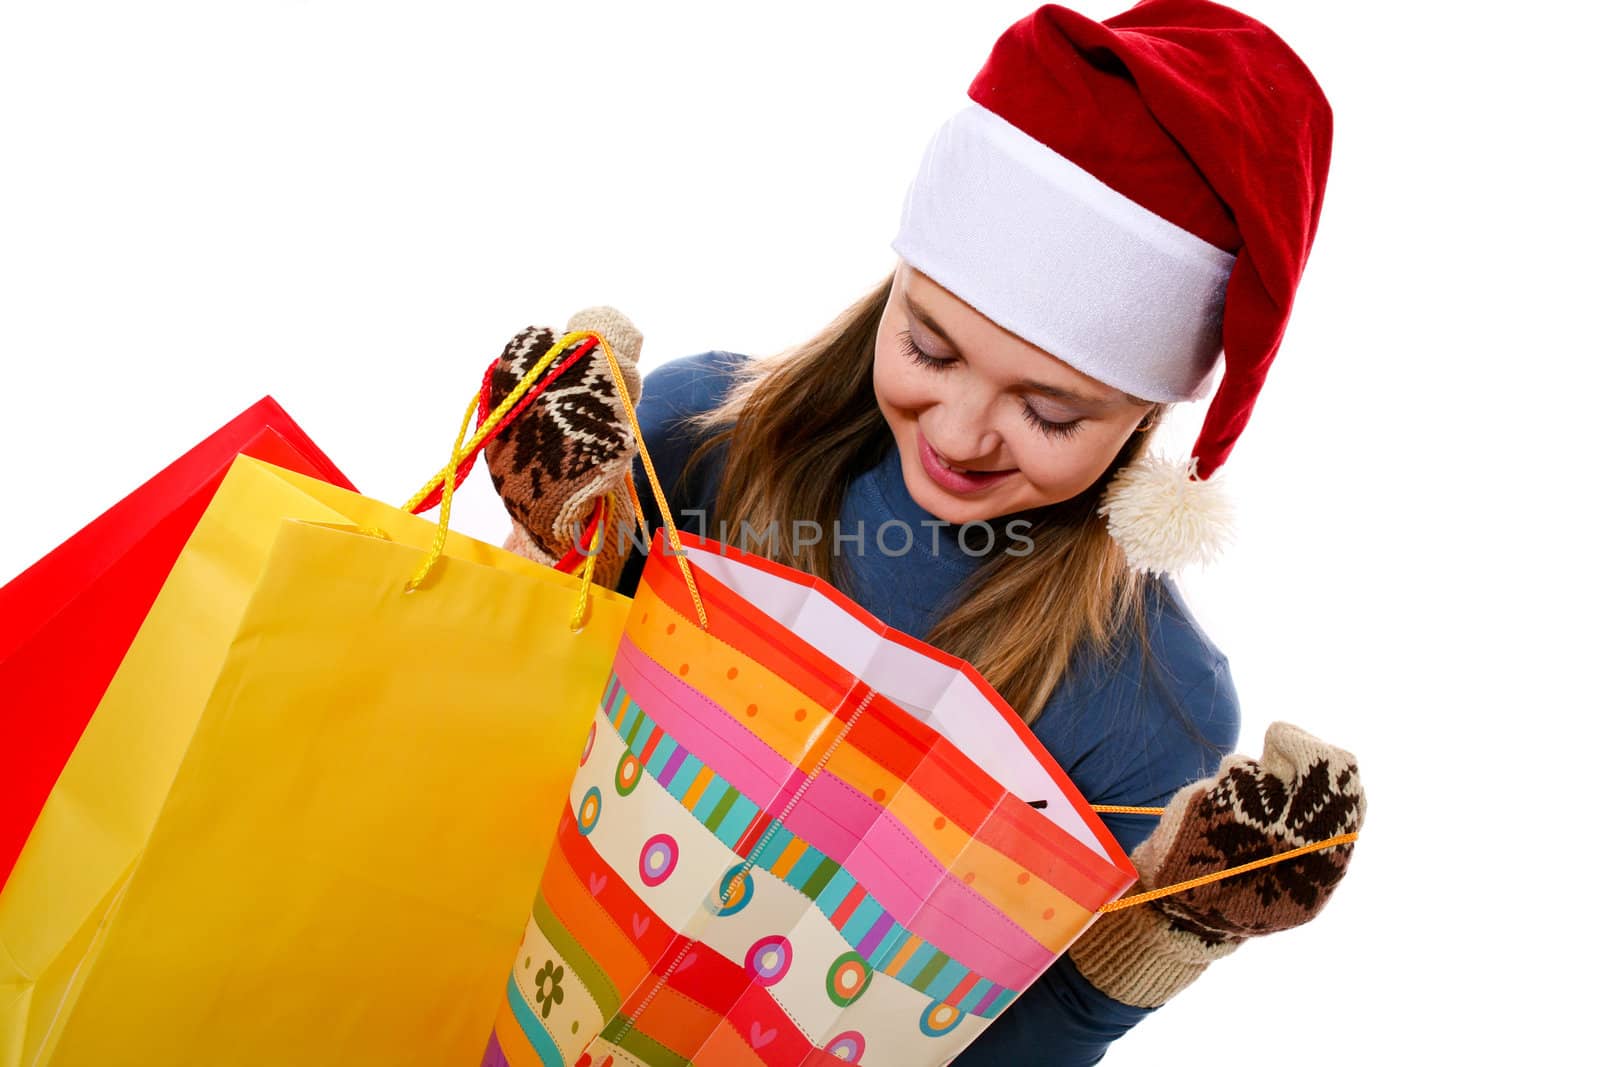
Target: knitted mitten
point(570, 446)
point(1301, 791)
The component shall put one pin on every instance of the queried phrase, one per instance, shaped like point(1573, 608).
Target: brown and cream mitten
point(570, 446)
point(1301, 791)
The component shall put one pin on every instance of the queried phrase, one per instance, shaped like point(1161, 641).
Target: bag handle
point(464, 452)
point(1214, 876)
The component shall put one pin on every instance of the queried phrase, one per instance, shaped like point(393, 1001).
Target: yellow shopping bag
point(307, 821)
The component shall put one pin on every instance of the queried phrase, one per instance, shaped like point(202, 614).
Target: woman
point(1121, 202)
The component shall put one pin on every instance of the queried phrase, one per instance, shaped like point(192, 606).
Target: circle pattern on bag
point(629, 771)
point(589, 811)
point(939, 1019)
point(768, 959)
point(847, 1047)
point(734, 892)
point(588, 747)
point(848, 978)
point(657, 859)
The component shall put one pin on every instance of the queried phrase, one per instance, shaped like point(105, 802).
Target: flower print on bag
point(543, 998)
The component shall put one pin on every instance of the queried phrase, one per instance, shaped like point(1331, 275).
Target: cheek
point(1060, 470)
point(895, 381)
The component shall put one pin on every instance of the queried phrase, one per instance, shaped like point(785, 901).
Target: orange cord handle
point(1214, 876)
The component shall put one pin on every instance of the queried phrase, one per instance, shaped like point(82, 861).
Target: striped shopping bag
point(795, 835)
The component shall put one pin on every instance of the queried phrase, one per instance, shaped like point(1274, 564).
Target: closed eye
point(1045, 426)
point(919, 357)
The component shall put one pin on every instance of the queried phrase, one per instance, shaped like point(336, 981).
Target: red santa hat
point(1138, 198)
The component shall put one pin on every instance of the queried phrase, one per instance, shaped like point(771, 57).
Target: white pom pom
point(1163, 517)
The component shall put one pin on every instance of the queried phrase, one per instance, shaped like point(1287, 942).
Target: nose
point(966, 436)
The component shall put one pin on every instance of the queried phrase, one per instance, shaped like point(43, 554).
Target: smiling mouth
point(962, 470)
point(956, 479)
point(947, 465)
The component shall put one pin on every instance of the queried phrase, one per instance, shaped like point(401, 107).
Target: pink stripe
point(914, 887)
point(836, 818)
point(695, 723)
point(954, 904)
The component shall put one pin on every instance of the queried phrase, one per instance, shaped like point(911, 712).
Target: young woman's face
point(955, 386)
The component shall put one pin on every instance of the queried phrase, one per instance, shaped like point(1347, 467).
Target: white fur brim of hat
point(1054, 255)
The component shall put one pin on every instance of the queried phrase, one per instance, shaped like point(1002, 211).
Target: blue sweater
point(1126, 732)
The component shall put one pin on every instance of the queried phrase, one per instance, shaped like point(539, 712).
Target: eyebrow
point(1071, 396)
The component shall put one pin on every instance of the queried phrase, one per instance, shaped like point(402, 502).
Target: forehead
point(981, 340)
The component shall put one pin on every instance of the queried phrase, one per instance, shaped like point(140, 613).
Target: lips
point(953, 480)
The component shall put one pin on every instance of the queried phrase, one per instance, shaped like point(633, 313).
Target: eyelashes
point(918, 356)
point(1039, 422)
point(1050, 429)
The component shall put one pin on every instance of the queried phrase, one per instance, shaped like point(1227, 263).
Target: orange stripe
point(584, 917)
point(789, 857)
point(823, 737)
point(725, 1047)
point(698, 786)
point(676, 1021)
point(913, 942)
point(518, 1052)
point(734, 620)
point(786, 718)
point(1049, 852)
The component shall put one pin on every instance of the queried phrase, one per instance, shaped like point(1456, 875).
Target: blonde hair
point(800, 423)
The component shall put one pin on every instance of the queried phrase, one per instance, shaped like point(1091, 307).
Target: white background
point(352, 206)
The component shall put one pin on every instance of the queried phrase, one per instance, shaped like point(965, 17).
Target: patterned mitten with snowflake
point(1301, 791)
point(571, 446)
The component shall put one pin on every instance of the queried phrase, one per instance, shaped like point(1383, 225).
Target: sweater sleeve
point(668, 394)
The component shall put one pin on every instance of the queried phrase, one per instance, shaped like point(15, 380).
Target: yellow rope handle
point(581, 612)
point(494, 418)
point(463, 447)
point(1217, 876)
point(650, 471)
point(1124, 809)
point(437, 549)
point(633, 496)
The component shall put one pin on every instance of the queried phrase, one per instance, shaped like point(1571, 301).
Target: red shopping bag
point(66, 621)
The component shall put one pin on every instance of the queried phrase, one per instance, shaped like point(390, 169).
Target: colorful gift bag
point(66, 621)
point(306, 821)
point(795, 836)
